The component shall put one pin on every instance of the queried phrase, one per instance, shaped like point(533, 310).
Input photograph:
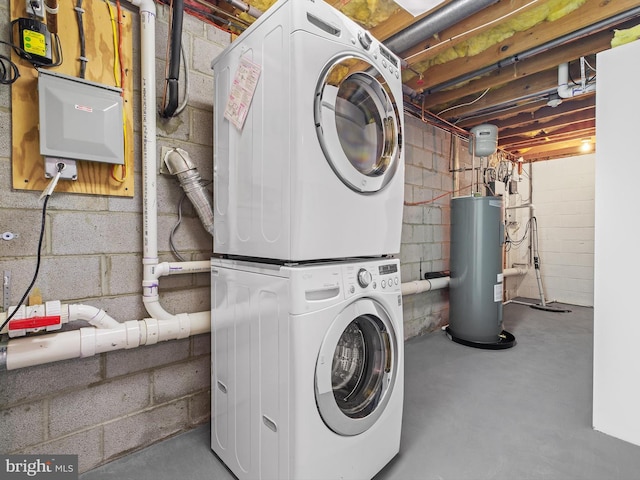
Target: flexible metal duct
point(443, 18)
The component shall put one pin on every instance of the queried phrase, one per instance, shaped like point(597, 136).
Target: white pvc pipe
point(180, 268)
point(95, 316)
point(568, 91)
point(420, 286)
point(510, 272)
point(86, 342)
point(151, 270)
point(524, 205)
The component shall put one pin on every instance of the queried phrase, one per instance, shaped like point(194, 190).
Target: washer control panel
point(381, 276)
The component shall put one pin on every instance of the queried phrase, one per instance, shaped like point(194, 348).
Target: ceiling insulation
point(546, 12)
point(367, 13)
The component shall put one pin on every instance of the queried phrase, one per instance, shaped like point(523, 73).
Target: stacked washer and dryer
point(307, 334)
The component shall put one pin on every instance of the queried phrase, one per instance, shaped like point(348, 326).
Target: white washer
point(307, 368)
point(317, 171)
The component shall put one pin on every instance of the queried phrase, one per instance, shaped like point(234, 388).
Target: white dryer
point(317, 171)
point(307, 368)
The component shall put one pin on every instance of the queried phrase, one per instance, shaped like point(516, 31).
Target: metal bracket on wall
point(6, 289)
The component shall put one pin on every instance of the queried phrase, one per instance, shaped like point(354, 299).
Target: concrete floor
point(522, 413)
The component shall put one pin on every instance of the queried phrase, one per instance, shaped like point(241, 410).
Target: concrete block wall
point(564, 199)
point(105, 406)
point(426, 227)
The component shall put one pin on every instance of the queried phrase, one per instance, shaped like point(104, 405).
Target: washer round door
point(356, 368)
point(358, 125)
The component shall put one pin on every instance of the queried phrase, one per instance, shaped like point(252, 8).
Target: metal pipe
point(179, 164)
point(436, 22)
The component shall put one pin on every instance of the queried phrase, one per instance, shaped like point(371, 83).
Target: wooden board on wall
point(27, 163)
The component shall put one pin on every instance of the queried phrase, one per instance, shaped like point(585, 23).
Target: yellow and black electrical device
point(34, 41)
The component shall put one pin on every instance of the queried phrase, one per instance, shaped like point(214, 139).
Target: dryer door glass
point(353, 389)
point(358, 126)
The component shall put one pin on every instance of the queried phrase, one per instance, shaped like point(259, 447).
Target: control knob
point(365, 40)
point(364, 278)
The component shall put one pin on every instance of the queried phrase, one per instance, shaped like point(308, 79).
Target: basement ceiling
point(471, 62)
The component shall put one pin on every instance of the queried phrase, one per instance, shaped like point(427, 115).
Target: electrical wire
point(82, 58)
point(172, 246)
point(174, 250)
point(47, 196)
point(9, 72)
point(464, 104)
point(519, 241)
point(119, 77)
point(185, 100)
point(424, 202)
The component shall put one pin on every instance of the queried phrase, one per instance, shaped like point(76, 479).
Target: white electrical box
point(79, 120)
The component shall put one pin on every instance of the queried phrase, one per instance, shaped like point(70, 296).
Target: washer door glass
point(358, 125)
point(356, 368)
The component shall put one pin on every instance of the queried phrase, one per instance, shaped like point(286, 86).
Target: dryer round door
point(358, 125)
point(356, 368)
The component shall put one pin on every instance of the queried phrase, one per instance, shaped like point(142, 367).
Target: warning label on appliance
point(241, 94)
point(497, 292)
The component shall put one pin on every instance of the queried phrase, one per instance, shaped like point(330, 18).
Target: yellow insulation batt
point(545, 12)
point(620, 37)
point(367, 13)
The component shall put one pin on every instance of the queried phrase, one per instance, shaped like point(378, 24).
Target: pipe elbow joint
point(178, 161)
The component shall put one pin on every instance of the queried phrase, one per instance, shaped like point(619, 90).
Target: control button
point(365, 40)
point(364, 278)
point(397, 74)
point(384, 284)
point(395, 280)
point(384, 63)
point(352, 289)
point(374, 285)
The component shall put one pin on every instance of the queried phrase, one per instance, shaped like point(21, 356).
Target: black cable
point(83, 59)
point(175, 228)
point(58, 52)
point(9, 72)
point(35, 275)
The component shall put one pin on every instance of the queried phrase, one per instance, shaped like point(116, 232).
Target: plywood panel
point(27, 163)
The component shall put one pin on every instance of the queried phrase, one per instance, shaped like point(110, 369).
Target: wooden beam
point(548, 126)
point(527, 113)
point(517, 89)
point(536, 155)
point(551, 58)
point(577, 134)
